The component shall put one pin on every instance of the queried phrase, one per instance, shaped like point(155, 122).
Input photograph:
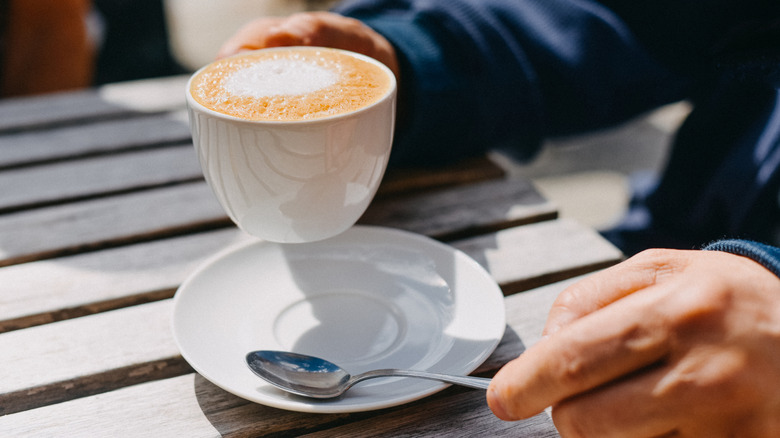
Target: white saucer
point(369, 298)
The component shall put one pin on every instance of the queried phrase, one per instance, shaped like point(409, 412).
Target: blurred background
point(149, 38)
point(55, 45)
point(590, 177)
point(82, 43)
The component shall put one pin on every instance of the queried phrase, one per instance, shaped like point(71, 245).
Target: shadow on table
point(455, 411)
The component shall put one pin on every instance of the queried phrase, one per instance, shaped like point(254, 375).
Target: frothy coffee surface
point(287, 85)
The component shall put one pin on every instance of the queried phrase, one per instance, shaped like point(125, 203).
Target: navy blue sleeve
point(483, 74)
point(768, 256)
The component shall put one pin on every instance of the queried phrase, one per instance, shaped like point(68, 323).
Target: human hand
point(667, 343)
point(323, 29)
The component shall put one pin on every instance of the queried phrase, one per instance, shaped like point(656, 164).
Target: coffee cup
point(293, 141)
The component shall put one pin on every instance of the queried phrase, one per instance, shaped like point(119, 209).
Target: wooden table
point(103, 213)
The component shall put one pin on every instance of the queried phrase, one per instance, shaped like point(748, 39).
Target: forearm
point(482, 74)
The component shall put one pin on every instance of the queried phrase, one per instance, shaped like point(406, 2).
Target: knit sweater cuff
point(766, 255)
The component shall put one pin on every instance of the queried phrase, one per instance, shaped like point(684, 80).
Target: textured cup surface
point(296, 180)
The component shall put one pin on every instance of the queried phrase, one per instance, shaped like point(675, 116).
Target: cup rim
point(391, 91)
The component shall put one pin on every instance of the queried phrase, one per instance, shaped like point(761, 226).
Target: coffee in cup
point(293, 141)
point(290, 85)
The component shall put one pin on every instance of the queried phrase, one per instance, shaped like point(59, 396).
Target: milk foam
point(290, 84)
point(278, 77)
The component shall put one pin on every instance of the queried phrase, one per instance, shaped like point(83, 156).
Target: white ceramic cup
point(295, 181)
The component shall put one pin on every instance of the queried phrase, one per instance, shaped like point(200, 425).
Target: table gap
point(160, 369)
point(153, 235)
point(16, 208)
point(465, 233)
point(119, 114)
point(402, 181)
point(87, 309)
point(100, 306)
point(58, 392)
point(554, 277)
point(225, 222)
point(97, 153)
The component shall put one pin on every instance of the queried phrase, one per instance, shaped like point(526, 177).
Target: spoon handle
point(468, 381)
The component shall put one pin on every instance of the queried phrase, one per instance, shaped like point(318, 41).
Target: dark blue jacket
point(486, 74)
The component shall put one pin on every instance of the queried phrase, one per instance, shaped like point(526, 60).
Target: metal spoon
point(311, 376)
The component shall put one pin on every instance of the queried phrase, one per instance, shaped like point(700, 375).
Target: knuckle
point(569, 299)
point(301, 22)
point(661, 263)
point(315, 20)
point(701, 311)
point(573, 370)
point(714, 376)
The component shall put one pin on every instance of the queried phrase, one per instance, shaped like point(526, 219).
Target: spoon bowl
point(314, 377)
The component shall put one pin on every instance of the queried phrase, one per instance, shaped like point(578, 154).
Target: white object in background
point(197, 28)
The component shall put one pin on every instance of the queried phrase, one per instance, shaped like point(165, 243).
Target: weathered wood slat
point(103, 213)
point(119, 220)
point(400, 181)
point(532, 249)
point(68, 287)
point(190, 406)
point(60, 182)
point(48, 233)
point(96, 173)
point(456, 415)
point(447, 213)
point(69, 142)
point(85, 340)
point(110, 101)
point(146, 95)
point(463, 211)
point(95, 351)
